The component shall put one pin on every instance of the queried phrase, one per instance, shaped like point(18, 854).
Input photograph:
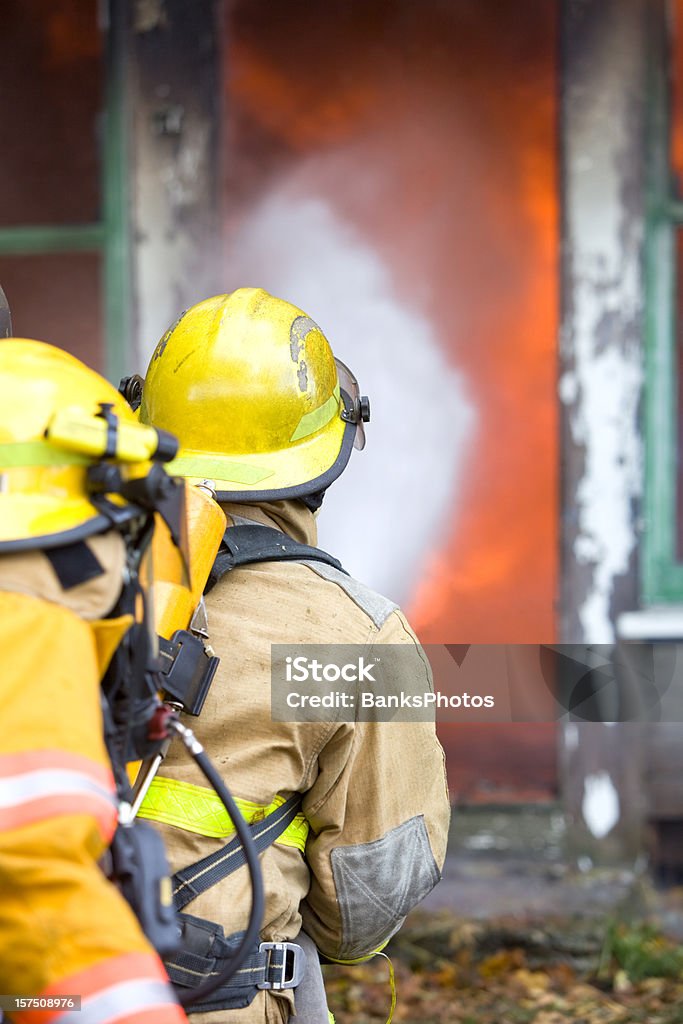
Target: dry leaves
point(507, 972)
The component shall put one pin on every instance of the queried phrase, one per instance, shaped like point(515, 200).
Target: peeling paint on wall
point(600, 805)
point(169, 187)
point(601, 343)
point(174, 107)
point(571, 736)
point(604, 419)
point(602, 126)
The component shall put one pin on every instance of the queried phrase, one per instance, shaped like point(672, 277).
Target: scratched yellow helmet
point(249, 385)
point(59, 420)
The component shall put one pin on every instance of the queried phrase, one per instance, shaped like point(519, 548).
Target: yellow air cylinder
point(174, 600)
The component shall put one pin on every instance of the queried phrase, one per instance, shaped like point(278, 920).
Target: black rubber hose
point(252, 934)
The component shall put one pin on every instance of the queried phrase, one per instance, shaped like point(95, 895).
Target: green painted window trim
point(118, 277)
point(111, 236)
point(661, 573)
point(27, 240)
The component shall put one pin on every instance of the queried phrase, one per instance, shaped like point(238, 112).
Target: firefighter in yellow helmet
point(78, 483)
point(353, 814)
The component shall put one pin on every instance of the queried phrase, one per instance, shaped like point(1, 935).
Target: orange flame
point(437, 126)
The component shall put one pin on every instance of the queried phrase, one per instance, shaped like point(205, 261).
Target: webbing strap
point(190, 970)
point(244, 545)
point(200, 810)
point(73, 564)
point(206, 951)
point(200, 876)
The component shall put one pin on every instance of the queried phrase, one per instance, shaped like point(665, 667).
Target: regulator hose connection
point(251, 936)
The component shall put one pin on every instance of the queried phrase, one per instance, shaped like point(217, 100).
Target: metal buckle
point(292, 967)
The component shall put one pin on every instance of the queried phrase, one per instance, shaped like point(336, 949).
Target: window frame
point(661, 572)
point(110, 235)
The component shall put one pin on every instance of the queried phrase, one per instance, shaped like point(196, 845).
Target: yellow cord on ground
point(392, 979)
point(392, 984)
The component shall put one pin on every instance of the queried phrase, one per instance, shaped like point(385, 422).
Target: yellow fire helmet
point(248, 384)
point(58, 420)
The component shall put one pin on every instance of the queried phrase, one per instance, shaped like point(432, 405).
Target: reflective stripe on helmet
point(198, 809)
point(210, 467)
point(37, 453)
point(318, 418)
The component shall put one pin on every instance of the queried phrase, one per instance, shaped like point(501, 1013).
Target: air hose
point(251, 935)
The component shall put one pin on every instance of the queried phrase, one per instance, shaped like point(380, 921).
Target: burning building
point(480, 204)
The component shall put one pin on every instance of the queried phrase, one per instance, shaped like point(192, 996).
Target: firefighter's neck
point(291, 516)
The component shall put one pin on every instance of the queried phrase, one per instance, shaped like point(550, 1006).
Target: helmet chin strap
point(313, 501)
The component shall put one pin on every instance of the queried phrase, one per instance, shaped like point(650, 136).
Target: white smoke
point(398, 496)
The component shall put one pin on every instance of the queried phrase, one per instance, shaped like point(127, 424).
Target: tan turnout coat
point(374, 794)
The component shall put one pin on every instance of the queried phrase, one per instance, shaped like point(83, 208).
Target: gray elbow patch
point(378, 883)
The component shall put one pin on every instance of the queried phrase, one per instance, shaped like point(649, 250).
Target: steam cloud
point(388, 512)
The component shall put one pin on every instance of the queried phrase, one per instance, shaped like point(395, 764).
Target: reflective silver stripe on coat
point(375, 605)
point(125, 998)
point(34, 785)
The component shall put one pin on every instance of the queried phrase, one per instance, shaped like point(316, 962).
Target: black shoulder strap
point(243, 545)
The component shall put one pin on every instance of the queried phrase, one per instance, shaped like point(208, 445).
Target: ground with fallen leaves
point(584, 970)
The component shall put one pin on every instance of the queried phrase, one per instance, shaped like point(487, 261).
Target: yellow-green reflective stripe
point(217, 468)
point(39, 453)
point(320, 417)
point(198, 809)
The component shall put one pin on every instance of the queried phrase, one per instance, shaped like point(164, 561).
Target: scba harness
point(205, 948)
